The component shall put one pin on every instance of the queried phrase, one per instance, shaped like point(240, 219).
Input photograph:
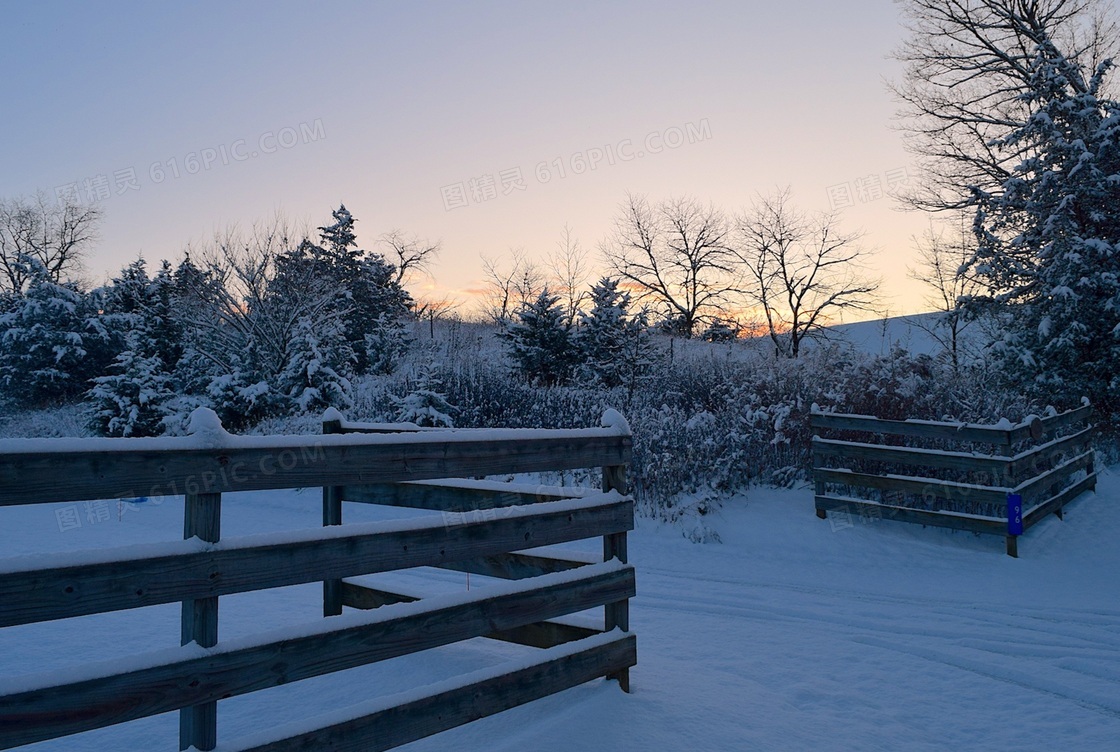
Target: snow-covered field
point(794, 633)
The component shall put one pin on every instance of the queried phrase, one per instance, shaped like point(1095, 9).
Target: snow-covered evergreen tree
point(318, 367)
point(376, 303)
point(132, 399)
point(1049, 249)
point(614, 347)
point(338, 238)
point(540, 341)
point(425, 405)
point(162, 322)
point(241, 399)
point(51, 343)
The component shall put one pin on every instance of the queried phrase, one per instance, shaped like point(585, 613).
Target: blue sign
point(1014, 514)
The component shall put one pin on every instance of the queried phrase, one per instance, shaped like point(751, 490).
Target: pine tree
point(319, 362)
point(375, 302)
point(162, 321)
point(1050, 240)
point(614, 347)
point(425, 405)
point(339, 238)
point(51, 343)
point(133, 399)
point(540, 341)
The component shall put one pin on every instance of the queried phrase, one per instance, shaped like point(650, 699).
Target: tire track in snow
point(1071, 650)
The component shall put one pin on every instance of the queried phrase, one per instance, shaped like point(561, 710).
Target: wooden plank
point(63, 592)
point(921, 486)
point(198, 725)
point(1055, 423)
point(542, 634)
point(995, 466)
point(111, 473)
point(391, 727)
point(1036, 461)
point(1059, 501)
point(926, 430)
point(1033, 488)
point(514, 566)
point(54, 711)
point(921, 516)
point(451, 498)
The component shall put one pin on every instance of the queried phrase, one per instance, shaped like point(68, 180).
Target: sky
point(474, 124)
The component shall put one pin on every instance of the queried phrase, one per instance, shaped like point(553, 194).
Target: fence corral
point(995, 479)
point(396, 468)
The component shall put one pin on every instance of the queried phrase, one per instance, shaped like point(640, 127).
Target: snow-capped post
point(332, 515)
point(616, 615)
point(198, 725)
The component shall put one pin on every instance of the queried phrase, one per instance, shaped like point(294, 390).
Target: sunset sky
point(452, 121)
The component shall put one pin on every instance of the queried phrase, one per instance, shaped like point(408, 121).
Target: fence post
point(818, 461)
point(198, 725)
point(332, 515)
point(1008, 480)
point(614, 547)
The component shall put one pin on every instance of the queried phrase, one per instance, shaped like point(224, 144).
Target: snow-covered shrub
point(425, 405)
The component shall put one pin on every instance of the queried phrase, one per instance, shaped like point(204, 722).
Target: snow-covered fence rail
point(1028, 471)
point(204, 567)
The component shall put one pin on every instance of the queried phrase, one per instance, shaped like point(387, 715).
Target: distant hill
point(911, 333)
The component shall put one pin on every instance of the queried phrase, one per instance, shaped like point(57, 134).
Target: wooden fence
point(999, 480)
point(396, 468)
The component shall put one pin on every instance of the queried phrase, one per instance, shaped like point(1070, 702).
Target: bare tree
point(570, 273)
point(945, 251)
point(54, 235)
point(674, 255)
point(968, 76)
point(508, 288)
point(434, 309)
point(800, 270)
point(409, 254)
point(250, 298)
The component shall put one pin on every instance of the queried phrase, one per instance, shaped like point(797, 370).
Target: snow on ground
point(794, 633)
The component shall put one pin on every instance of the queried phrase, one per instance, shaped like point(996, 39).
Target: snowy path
point(788, 635)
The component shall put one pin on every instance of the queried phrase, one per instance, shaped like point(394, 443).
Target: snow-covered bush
point(425, 405)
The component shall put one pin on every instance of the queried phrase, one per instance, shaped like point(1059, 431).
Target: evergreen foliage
point(1049, 240)
point(614, 346)
point(425, 405)
point(540, 341)
point(51, 343)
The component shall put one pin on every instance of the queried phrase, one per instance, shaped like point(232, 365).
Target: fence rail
point(1053, 465)
point(380, 467)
